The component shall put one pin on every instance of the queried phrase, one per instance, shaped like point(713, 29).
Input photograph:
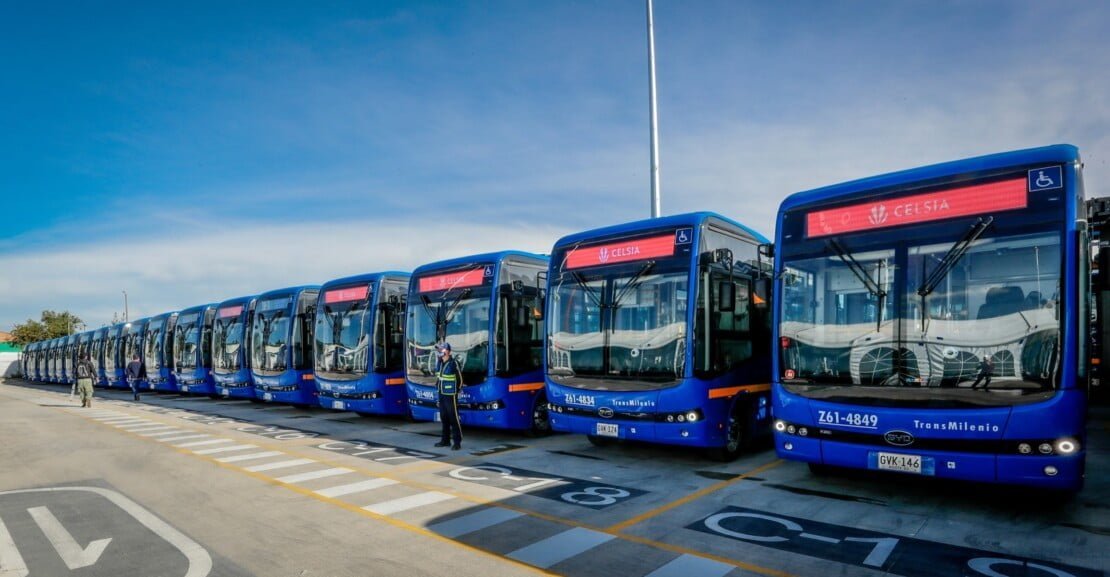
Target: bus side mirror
point(763, 289)
point(767, 250)
point(541, 309)
point(726, 296)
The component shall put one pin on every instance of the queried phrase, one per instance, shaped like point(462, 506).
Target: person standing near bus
point(85, 372)
point(986, 371)
point(449, 379)
point(135, 373)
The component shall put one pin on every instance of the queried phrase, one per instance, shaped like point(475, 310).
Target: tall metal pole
point(125, 317)
point(655, 203)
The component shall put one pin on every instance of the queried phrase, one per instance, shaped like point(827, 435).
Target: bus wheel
point(541, 425)
point(734, 440)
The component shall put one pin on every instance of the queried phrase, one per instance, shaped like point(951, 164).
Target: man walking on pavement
point(136, 372)
point(449, 379)
point(85, 372)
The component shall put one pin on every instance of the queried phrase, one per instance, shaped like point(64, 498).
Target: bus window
point(519, 334)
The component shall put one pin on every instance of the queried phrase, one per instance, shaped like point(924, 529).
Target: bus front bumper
point(687, 434)
point(1049, 472)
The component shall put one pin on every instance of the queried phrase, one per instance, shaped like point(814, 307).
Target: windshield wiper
point(632, 283)
point(861, 274)
point(947, 262)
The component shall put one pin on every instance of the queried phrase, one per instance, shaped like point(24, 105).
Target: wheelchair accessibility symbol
point(1045, 178)
point(684, 236)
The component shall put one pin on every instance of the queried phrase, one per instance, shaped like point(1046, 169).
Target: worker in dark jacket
point(85, 373)
point(136, 372)
point(448, 381)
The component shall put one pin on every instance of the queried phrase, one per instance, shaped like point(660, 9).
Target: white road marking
point(11, 562)
point(557, 548)
point(74, 556)
point(321, 474)
point(224, 449)
point(147, 428)
point(367, 485)
point(237, 458)
point(200, 562)
point(278, 465)
point(180, 438)
point(170, 431)
point(117, 421)
point(202, 443)
point(406, 503)
point(140, 426)
point(685, 565)
point(459, 526)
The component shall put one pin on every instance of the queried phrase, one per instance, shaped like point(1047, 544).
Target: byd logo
point(878, 214)
point(605, 413)
point(898, 438)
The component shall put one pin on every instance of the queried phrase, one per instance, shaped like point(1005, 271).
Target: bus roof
point(163, 316)
point(287, 290)
point(367, 277)
point(1054, 153)
point(494, 257)
point(236, 301)
point(676, 220)
point(198, 308)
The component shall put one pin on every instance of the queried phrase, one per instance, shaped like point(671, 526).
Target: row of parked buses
point(929, 322)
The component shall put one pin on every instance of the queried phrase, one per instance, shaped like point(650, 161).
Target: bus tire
point(541, 424)
point(738, 436)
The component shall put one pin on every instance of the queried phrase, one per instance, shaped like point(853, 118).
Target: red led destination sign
point(968, 200)
point(356, 293)
point(623, 251)
point(453, 280)
point(227, 312)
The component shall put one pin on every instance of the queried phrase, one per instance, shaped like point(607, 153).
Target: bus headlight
point(802, 431)
point(1067, 446)
point(780, 426)
point(1044, 448)
point(681, 418)
point(691, 416)
point(670, 418)
point(1025, 448)
point(790, 429)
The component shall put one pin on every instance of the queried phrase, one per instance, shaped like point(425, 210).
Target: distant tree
point(51, 325)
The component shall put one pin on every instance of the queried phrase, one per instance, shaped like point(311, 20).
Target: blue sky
point(194, 152)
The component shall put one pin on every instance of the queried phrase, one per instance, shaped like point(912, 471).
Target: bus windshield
point(187, 340)
point(971, 320)
point(621, 327)
point(110, 351)
point(152, 346)
point(460, 317)
point(227, 339)
point(270, 333)
point(342, 344)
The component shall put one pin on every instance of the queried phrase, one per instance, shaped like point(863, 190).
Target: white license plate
point(435, 417)
point(184, 388)
point(898, 462)
point(608, 429)
point(337, 405)
point(267, 397)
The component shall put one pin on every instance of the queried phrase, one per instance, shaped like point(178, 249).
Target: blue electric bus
point(83, 346)
point(67, 350)
point(359, 344)
point(96, 356)
point(55, 372)
point(488, 308)
point(658, 331)
point(192, 350)
point(158, 352)
point(230, 348)
point(935, 321)
point(281, 345)
point(114, 364)
point(133, 347)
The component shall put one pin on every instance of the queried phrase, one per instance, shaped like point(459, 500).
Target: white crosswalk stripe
point(406, 503)
point(181, 438)
point(170, 431)
point(252, 456)
point(321, 474)
point(278, 465)
point(225, 449)
point(202, 443)
point(359, 487)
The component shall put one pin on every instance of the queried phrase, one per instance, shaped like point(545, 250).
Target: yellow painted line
point(615, 530)
point(730, 391)
point(691, 497)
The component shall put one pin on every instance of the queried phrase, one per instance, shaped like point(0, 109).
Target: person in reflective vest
point(448, 381)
